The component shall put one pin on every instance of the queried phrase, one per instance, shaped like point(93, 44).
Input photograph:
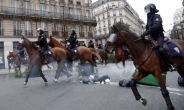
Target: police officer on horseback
point(42, 42)
point(100, 46)
point(155, 29)
point(72, 39)
point(90, 44)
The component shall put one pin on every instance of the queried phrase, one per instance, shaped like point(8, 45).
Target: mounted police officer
point(155, 29)
point(72, 39)
point(90, 44)
point(100, 46)
point(42, 42)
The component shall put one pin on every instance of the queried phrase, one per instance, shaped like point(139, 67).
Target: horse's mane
point(33, 45)
point(130, 32)
point(56, 40)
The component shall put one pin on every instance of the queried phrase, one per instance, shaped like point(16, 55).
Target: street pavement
point(75, 95)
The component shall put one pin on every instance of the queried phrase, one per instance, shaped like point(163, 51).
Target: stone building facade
point(23, 17)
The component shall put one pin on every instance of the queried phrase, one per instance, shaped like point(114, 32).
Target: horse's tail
point(95, 54)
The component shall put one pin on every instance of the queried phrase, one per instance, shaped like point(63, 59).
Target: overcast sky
point(166, 9)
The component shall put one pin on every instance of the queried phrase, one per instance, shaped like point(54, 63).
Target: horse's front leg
point(42, 75)
point(164, 91)
point(30, 67)
point(133, 86)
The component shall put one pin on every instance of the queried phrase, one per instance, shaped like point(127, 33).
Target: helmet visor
point(146, 10)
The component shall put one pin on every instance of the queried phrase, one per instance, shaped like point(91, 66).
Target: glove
point(144, 34)
point(34, 42)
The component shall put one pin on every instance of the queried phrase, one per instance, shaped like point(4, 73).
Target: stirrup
point(173, 68)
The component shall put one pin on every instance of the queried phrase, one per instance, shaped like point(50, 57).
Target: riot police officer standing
point(154, 28)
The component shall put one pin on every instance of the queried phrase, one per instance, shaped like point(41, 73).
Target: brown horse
point(120, 55)
point(145, 60)
point(103, 54)
point(85, 54)
point(33, 51)
point(16, 58)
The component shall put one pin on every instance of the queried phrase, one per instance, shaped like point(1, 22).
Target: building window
point(54, 27)
point(26, 8)
point(42, 9)
point(114, 13)
point(119, 5)
point(71, 12)
point(80, 28)
point(120, 12)
point(104, 23)
point(17, 31)
point(99, 25)
point(109, 22)
point(43, 26)
point(121, 19)
point(28, 31)
point(114, 21)
point(15, 5)
point(52, 10)
point(103, 16)
point(62, 9)
point(63, 27)
point(79, 14)
point(108, 14)
point(88, 29)
point(87, 13)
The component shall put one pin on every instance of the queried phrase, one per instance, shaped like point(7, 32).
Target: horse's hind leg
point(42, 75)
point(164, 91)
point(132, 84)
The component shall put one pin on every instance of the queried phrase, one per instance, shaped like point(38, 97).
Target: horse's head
point(15, 57)
point(50, 41)
point(114, 40)
point(53, 42)
point(22, 43)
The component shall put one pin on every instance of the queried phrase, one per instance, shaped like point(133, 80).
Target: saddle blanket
point(75, 51)
point(49, 53)
point(174, 50)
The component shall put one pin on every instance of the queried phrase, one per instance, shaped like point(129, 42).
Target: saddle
point(153, 42)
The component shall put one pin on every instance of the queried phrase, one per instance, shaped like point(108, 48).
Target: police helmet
point(40, 29)
point(73, 30)
point(150, 8)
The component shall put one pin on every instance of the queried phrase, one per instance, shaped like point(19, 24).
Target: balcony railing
point(28, 32)
point(70, 1)
point(17, 32)
point(81, 34)
point(1, 32)
point(86, 4)
point(62, 1)
point(44, 14)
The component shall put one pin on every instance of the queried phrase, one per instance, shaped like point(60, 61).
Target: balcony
point(81, 34)
point(44, 14)
point(1, 32)
point(28, 32)
point(17, 32)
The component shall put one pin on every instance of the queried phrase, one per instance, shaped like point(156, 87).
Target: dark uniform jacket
point(42, 40)
point(154, 26)
point(72, 38)
point(91, 45)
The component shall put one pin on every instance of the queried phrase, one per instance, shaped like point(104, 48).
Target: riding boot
point(170, 61)
point(45, 59)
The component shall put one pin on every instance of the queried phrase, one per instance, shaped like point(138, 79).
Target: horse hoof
point(143, 101)
point(46, 83)
point(80, 77)
point(25, 83)
point(55, 80)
